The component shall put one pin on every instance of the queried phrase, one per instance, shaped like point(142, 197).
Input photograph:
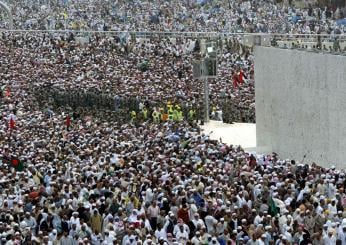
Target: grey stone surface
point(301, 105)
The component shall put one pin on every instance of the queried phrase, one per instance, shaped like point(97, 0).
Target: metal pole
point(206, 99)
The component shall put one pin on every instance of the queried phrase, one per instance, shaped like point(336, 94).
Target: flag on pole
point(185, 143)
point(17, 164)
point(273, 209)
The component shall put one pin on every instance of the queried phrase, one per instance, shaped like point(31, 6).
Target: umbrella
point(341, 22)
point(202, 2)
point(296, 18)
point(173, 137)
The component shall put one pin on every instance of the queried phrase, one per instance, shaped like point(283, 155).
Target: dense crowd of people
point(172, 15)
point(67, 179)
point(100, 140)
point(112, 67)
point(73, 178)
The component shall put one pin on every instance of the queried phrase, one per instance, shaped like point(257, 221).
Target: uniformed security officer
point(156, 116)
point(133, 116)
point(191, 115)
point(170, 112)
point(145, 113)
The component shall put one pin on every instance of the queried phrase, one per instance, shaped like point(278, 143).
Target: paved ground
point(243, 134)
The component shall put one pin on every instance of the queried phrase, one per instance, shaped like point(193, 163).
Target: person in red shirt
point(183, 213)
point(8, 92)
point(252, 161)
point(68, 122)
point(235, 80)
point(241, 77)
point(12, 123)
point(34, 195)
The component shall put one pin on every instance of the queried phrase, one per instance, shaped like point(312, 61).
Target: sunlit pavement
point(243, 134)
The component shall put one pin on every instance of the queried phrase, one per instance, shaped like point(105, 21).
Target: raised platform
point(243, 134)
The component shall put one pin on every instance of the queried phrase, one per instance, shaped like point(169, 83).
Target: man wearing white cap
point(108, 238)
point(161, 232)
point(342, 234)
point(332, 207)
point(261, 239)
point(241, 200)
point(30, 221)
point(75, 219)
point(196, 239)
point(259, 218)
point(197, 221)
point(182, 235)
point(330, 238)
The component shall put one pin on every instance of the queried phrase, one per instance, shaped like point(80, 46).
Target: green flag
point(144, 66)
point(273, 209)
point(185, 143)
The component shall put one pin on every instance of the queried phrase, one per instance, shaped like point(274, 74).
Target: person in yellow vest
point(145, 113)
point(175, 115)
point(199, 168)
point(192, 115)
point(180, 115)
point(170, 113)
point(156, 116)
point(65, 15)
point(169, 105)
point(133, 116)
point(160, 113)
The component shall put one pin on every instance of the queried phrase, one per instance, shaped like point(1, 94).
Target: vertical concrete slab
point(301, 105)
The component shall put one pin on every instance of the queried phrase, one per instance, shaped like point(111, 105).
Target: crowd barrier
point(249, 39)
point(150, 34)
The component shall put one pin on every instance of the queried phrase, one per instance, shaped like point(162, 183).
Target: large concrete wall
point(301, 105)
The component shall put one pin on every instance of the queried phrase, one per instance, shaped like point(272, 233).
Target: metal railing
point(180, 34)
point(308, 41)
